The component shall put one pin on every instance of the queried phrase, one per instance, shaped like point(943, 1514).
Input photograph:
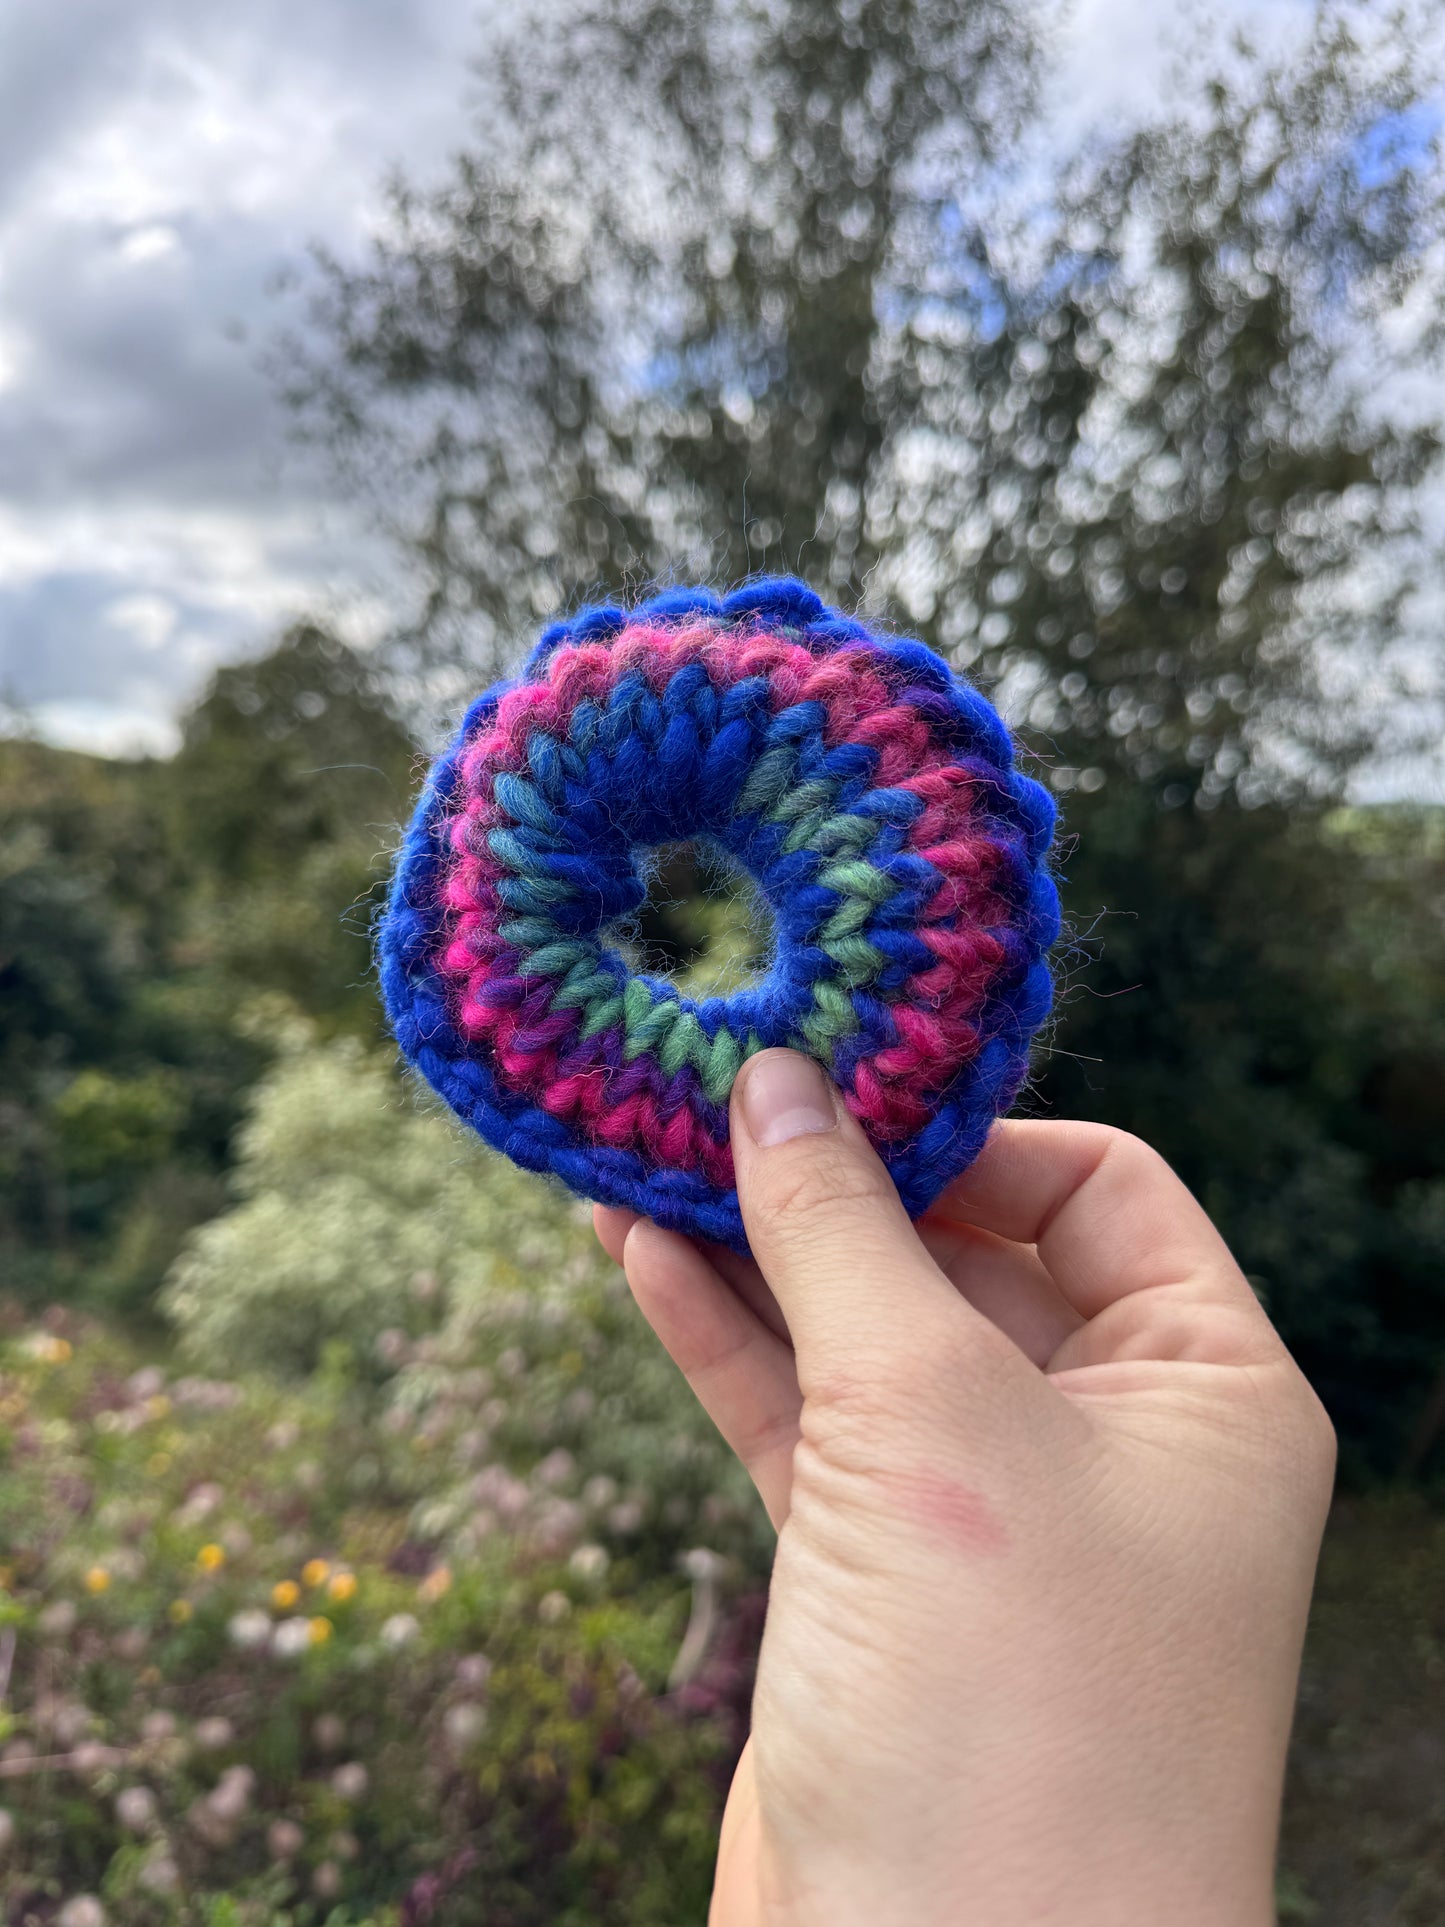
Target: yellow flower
point(211, 1558)
point(315, 1572)
point(97, 1579)
point(180, 1611)
point(342, 1586)
point(158, 1407)
point(436, 1585)
point(320, 1630)
point(7, 1578)
point(49, 1349)
point(284, 1594)
point(158, 1463)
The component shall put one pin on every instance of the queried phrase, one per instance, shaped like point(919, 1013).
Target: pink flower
point(326, 1880)
point(464, 1725)
point(556, 1469)
point(284, 1839)
point(135, 1808)
point(589, 1562)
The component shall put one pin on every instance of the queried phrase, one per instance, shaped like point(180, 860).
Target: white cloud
point(157, 171)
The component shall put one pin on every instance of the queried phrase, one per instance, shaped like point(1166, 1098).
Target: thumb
point(827, 1227)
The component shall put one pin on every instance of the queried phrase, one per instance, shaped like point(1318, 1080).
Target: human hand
point(1049, 1492)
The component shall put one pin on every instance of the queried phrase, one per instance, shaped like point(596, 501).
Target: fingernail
point(785, 1096)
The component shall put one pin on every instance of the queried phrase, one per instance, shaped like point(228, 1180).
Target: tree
point(285, 796)
point(628, 341)
point(1099, 433)
point(144, 907)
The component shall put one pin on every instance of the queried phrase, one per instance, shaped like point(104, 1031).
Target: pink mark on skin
point(950, 1510)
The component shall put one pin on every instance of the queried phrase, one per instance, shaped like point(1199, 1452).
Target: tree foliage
point(813, 292)
point(144, 906)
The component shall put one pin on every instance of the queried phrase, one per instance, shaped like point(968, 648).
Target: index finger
point(1106, 1213)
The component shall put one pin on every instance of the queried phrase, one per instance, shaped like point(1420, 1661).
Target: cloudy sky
point(163, 164)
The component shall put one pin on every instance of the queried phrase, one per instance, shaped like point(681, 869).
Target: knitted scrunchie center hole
point(705, 926)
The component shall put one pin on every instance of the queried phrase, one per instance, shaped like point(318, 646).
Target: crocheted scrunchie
point(872, 797)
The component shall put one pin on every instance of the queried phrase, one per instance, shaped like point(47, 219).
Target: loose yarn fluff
point(870, 794)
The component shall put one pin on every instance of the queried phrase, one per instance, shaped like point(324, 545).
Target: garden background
point(361, 1560)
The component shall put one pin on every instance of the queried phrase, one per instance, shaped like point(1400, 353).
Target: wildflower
point(214, 1828)
point(179, 1611)
point(205, 1394)
point(316, 1572)
point(231, 1795)
point(158, 1406)
point(400, 1630)
point(329, 1732)
point(284, 1839)
point(589, 1562)
point(47, 1349)
point(556, 1469)
point(392, 1346)
point(283, 1435)
point(600, 1492)
point(350, 1782)
point(58, 1618)
point(158, 1726)
point(558, 1527)
point(326, 1880)
point(7, 1578)
point(159, 1874)
point(291, 1638)
point(464, 1724)
point(211, 1557)
point(81, 1910)
point(284, 1594)
point(158, 1464)
point(553, 1607)
point(235, 1539)
point(342, 1586)
point(212, 1734)
point(626, 1516)
point(320, 1629)
point(436, 1585)
point(200, 1503)
point(97, 1580)
point(135, 1808)
point(473, 1670)
point(67, 1720)
point(249, 1629)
